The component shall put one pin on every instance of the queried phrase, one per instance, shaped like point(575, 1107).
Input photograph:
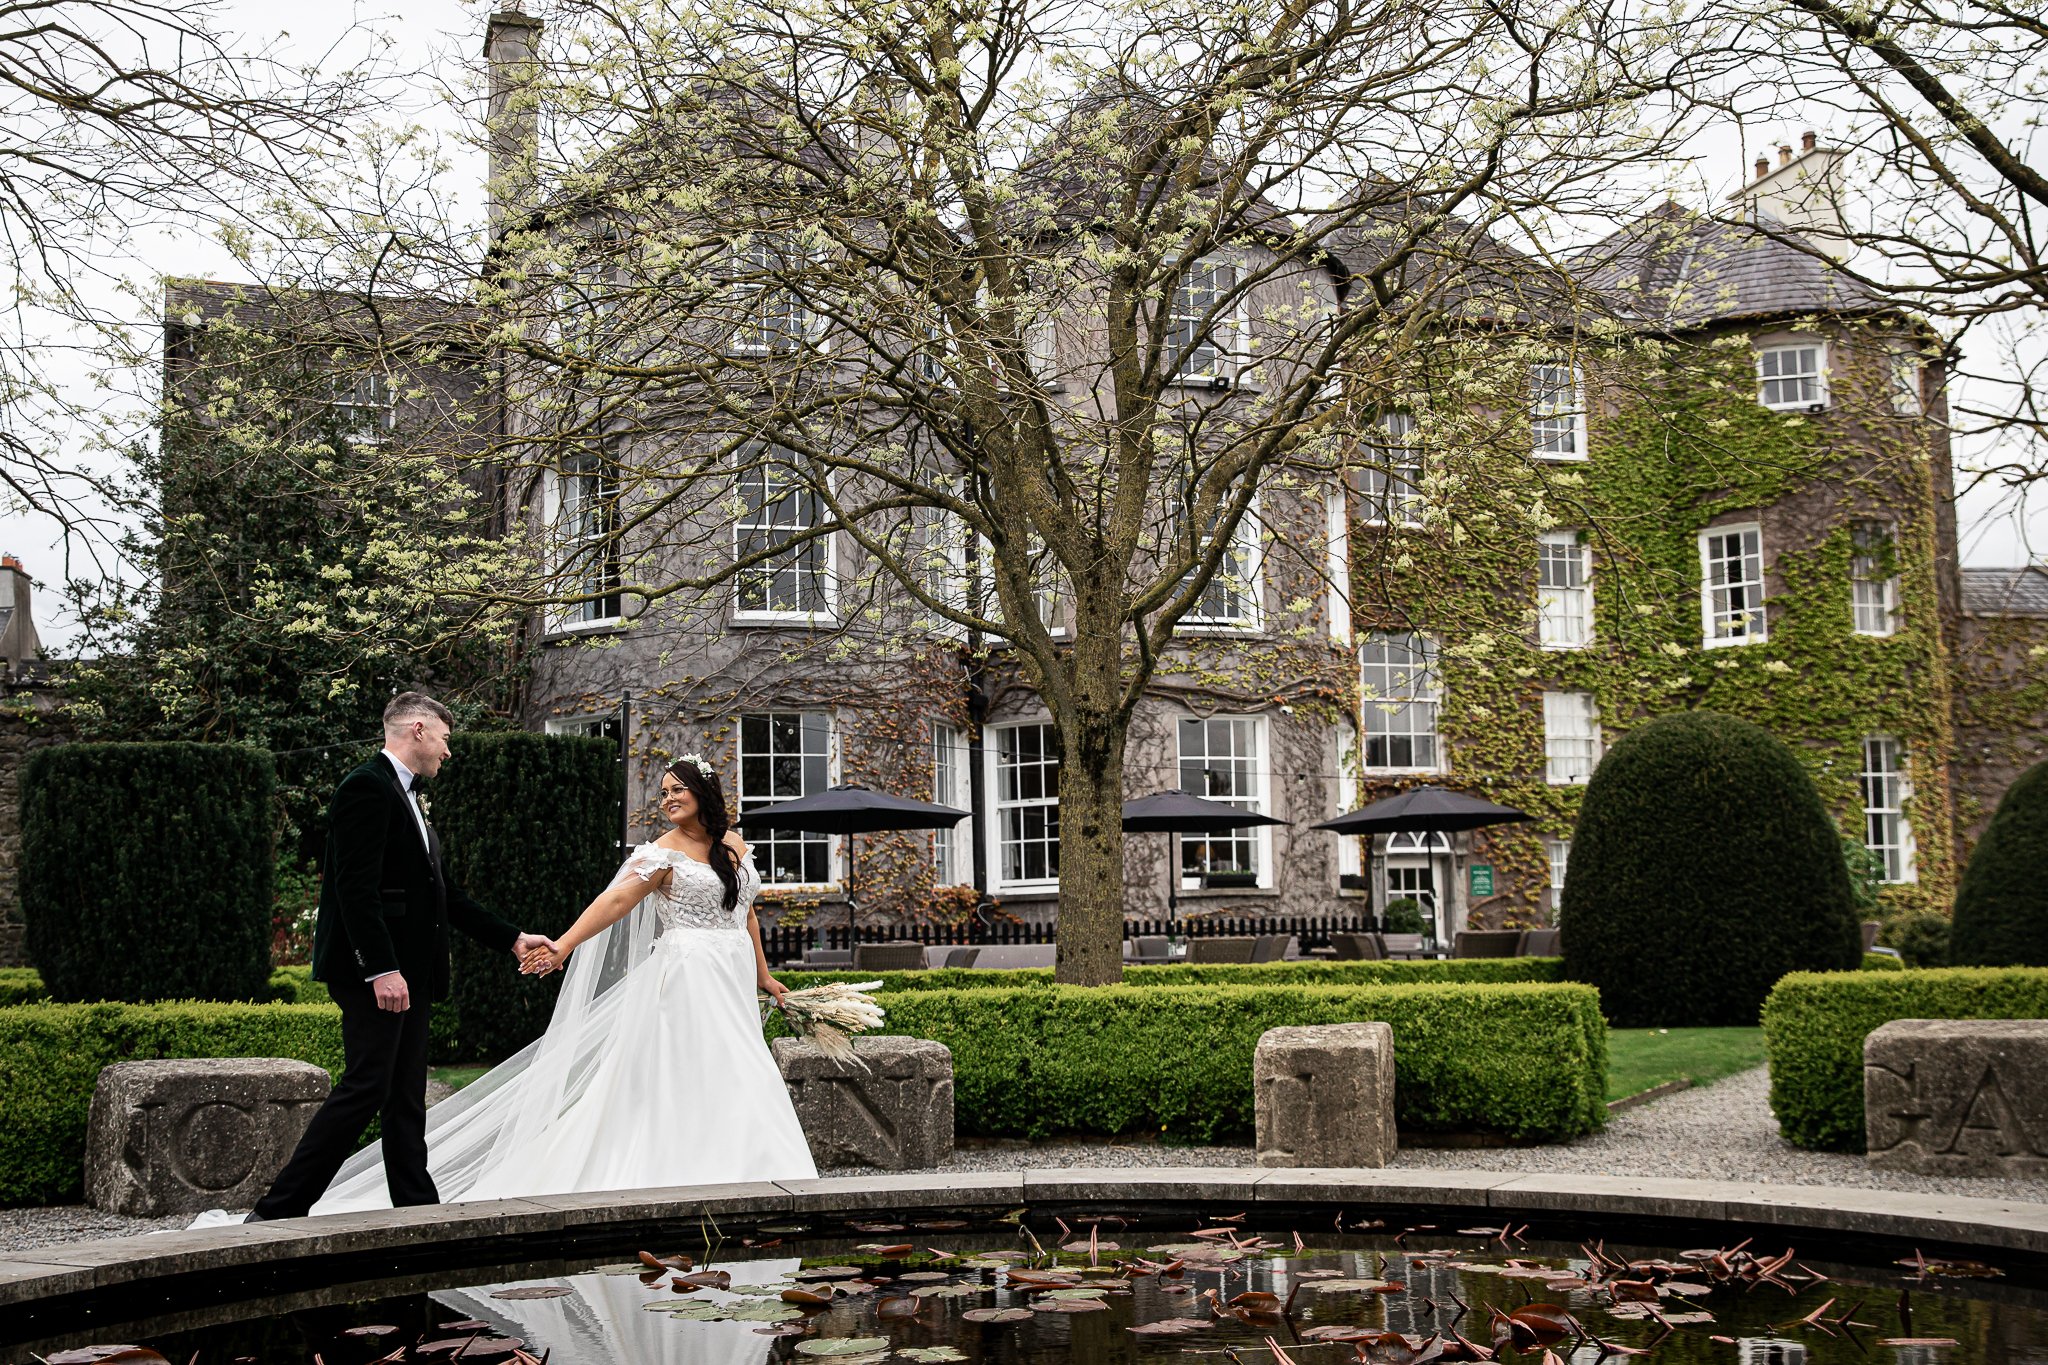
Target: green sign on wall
point(1482, 879)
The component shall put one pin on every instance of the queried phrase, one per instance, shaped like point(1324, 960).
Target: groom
point(381, 945)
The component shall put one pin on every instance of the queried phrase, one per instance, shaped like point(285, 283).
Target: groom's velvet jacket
point(386, 900)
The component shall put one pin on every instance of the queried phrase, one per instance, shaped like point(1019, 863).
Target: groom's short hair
point(407, 707)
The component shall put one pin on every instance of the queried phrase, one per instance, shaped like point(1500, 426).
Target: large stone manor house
point(1825, 601)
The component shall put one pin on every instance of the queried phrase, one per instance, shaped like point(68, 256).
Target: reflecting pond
point(1121, 1291)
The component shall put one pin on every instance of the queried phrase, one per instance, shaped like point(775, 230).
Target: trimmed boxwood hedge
point(146, 870)
point(531, 824)
point(51, 1055)
point(1704, 867)
point(288, 986)
point(1815, 1024)
point(1525, 1060)
point(1469, 971)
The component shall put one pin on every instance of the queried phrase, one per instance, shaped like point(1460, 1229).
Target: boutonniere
point(426, 806)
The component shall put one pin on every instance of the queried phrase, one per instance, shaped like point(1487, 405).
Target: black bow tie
point(412, 783)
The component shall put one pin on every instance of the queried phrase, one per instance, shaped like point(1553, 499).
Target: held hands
point(538, 954)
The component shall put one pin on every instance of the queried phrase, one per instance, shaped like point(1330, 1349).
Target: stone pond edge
point(1989, 1224)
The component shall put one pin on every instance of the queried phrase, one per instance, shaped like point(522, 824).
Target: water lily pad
point(374, 1330)
point(915, 1276)
point(1167, 1327)
point(1052, 1305)
point(996, 1315)
point(828, 1272)
point(930, 1355)
point(689, 1310)
point(1349, 1286)
point(842, 1346)
point(949, 1291)
point(984, 1263)
point(766, 1310)
point(534, 1291)
point(102, 1355)
point(1087, 1293)
point(782, 1329)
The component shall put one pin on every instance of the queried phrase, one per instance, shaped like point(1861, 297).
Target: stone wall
point(28, 720)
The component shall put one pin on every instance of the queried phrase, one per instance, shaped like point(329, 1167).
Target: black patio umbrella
point(851, 809)
point(1425, 810)
point(1180, 812)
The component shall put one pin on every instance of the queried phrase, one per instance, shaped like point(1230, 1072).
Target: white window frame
point(939, 550)
point(952, 847)
point(1349, 846)
point(1392, 493)
point(357, 393)
point(1185, 314)
point(1244, 563)
point(811, 725)
point(1873, 600)
point(1254, 768)
point(1000, 808)
point(1406, 691)
point(1557, 411)
point(1564, 611)
point(1337, 561)
point(1559, 852)
point(1717, 616)
point(1571, 738)
point(597, 725)
point(1906, 379)
point(754, 332)
point(773, 477)
point(1885, 786)
point(563, 543)
point(1810, 391)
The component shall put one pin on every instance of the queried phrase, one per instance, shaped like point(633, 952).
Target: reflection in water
point(604, 1320)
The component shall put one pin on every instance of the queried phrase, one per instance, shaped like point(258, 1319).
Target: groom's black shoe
point(254, 1217)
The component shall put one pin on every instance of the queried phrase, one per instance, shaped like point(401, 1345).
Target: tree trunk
point(1091, 909)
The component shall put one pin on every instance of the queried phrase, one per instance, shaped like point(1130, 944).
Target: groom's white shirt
point(418, 816)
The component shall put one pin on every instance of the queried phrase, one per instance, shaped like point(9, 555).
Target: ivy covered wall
point(1678, 443)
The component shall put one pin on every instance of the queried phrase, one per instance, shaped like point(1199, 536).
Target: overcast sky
point(1997, 527)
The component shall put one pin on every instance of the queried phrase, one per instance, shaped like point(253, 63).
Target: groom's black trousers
point(384, 1073)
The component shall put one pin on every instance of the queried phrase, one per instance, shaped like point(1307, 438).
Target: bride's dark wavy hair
point(712, 814)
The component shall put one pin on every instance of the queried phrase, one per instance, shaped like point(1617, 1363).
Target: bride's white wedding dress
point(653, 1070)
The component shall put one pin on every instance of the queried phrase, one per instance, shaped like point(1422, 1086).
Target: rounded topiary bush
point(146, 870)
point(2001, 917)
point(1704, 867)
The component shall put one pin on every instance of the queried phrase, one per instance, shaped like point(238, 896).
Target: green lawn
point(457, 1076)
point(1638, 1058)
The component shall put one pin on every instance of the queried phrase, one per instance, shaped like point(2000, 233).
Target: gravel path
point(1718, 1132)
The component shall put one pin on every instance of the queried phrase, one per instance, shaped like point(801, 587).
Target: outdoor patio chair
point(1538, 943)
point(888, 957)
point(1001, 956)
point(1221, 949)
point(1486, 943)
point(1150, 949)
point(936, 956)
point(1269, 947)
point(961, 957)
point(1357, 947)
point(1402, 945)
point(825, 960)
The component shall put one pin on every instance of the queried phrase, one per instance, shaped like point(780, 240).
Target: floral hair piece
point(697, 761)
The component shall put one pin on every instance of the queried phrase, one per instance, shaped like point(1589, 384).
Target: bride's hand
point(544, 959)
point(774, 990)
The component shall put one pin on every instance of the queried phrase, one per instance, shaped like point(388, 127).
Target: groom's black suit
point(386, 903)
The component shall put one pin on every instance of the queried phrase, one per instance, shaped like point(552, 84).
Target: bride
point(653, 1070)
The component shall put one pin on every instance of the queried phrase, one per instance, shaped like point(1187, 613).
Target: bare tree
point(1011, 327)
point(120, 117)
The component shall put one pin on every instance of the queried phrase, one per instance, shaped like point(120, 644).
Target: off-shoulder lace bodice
point(694, 897)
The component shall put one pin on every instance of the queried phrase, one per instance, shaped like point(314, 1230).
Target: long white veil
point(509, 1106)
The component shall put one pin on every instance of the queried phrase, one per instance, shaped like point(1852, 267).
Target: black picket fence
point(786, 942)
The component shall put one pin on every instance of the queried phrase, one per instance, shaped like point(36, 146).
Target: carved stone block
point(1958, 1097)
point(897, 1115)
point(1325, 1095)
point(181, 1136)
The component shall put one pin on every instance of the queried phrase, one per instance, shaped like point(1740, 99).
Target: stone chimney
point(512, 55)
point(1802, 193)
point(20, 650)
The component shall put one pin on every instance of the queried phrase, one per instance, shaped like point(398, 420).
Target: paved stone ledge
point(81, 1267)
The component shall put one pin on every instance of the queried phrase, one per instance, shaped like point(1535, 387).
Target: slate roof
point(2006, 592)
point(1675, 268)
point(1459, 267)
